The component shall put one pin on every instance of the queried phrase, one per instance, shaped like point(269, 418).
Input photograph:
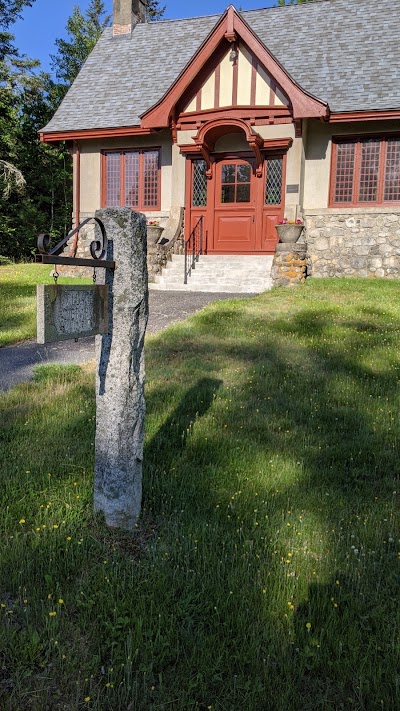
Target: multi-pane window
point(132, 179)
point(273, 182)
point(235, 182)
point(366, 171)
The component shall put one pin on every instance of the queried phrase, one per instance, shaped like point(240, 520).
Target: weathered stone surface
point(289, 266)
point(66, 312)
point(353, 244)
point(120, 377)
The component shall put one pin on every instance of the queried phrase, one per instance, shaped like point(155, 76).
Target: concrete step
point(218, 273)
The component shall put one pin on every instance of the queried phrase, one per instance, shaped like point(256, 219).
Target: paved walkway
point(166, 307)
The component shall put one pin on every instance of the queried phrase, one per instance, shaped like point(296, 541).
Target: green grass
point(263, 575)
point(18, 299)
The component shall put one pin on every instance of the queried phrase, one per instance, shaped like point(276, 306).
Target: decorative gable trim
point(231, 26)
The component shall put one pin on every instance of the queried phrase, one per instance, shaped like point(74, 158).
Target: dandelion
point(87, 698)
point(69, 538)
point(52, 613)
point(25, 602)
point(22, 520)
point(37, 529)
point(60, 601)
point(55, 526)
point(308, 625)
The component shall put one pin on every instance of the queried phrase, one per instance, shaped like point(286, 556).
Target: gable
point(242, 82)
point(232, 30)
point(126, 77)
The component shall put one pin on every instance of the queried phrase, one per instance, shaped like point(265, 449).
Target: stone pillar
point(120, 405)
point(289, 266)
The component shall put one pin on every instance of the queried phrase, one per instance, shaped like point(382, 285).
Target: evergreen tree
point(83, 33)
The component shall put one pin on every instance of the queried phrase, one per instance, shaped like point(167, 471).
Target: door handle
point(253, 219)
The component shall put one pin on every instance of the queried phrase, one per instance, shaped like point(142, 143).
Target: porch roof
point(344, 52)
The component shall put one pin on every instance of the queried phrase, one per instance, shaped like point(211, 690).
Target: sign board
point(71, 311)
point(292, 188)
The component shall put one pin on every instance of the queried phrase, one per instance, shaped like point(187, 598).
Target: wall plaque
point(292, 188)
point(71, 311)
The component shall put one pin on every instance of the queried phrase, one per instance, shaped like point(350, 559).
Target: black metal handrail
point(193, 248)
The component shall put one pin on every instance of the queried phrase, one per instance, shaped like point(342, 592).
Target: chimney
point(127, 14)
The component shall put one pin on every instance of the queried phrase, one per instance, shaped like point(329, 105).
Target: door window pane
point(243, 193)
point(199, 196)
point(228, 193)
point(243, 173)
point(273, 187)
point(228, 173)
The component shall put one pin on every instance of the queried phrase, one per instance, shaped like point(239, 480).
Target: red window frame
point(355, 175)
point(122, 152)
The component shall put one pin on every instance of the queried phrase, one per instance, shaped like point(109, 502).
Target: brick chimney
point(127, 14)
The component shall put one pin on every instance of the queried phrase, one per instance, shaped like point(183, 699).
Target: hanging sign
point(71, 311)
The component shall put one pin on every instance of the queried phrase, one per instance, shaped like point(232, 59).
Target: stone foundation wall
point(289, 265)
point(358, 243)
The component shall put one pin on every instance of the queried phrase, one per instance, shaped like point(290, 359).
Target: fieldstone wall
point(359, 243)
point(289, 266)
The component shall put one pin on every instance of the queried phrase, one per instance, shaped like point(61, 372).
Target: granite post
point(120, 404)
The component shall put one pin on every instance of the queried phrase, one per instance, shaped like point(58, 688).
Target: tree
point(154, 11)
point(83, 33)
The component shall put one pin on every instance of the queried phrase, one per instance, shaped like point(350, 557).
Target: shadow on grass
point(304, 427)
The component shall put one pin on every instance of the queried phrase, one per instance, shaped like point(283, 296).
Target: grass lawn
point(263, 575)
point(18, 299)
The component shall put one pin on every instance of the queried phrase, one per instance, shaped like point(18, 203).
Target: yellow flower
point(61, 601)
point(25, 602)
point(22, 520)
point(308, 625)
point(264, 591)
point(52, 614)
point(37, 529)
point(55, 526)
point(87, 698)
point(69, 538)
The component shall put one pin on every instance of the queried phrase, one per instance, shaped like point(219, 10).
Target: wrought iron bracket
point(98, 249)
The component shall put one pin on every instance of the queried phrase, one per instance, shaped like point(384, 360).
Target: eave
point(57, 136)
point(352, 116)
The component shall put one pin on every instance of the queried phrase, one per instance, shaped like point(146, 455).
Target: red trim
point(358, 139)
point(235, 76)
point(303, 104)
point(95, 133)
point(198, 100)
point(364, 115)
point(254, 114)
point(77, 195)
point(230, 33)
point(122, 176)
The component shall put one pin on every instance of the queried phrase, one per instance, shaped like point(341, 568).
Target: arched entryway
point(237, 186)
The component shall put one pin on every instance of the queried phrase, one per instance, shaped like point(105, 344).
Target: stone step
point(213, 273)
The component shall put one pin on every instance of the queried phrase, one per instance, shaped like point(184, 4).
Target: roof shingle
point(344, 52)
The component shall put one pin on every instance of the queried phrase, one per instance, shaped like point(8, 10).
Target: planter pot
point(289, 233)
point(154, 233)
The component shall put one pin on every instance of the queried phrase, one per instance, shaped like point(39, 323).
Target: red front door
point(235, 205)
point(239, 209)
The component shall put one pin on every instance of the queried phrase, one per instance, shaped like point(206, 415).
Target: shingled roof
point(344, 52)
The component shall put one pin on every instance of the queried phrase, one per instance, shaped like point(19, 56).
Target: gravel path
point(166, 307)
